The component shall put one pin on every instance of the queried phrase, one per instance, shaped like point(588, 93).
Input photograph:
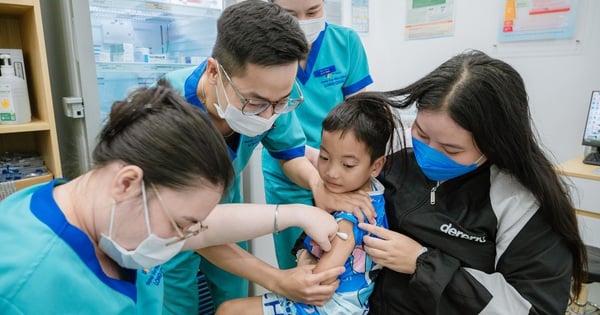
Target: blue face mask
point(436, 165)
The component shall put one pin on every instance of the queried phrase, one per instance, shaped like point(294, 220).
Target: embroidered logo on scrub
point(153, 275)
point(329, 76)
point(251, 142)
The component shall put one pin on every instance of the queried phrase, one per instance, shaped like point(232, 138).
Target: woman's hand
point(319, 224)
point(300, 284)
point(358, 202)
point(391, 249)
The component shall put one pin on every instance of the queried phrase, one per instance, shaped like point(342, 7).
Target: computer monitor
point(591, 134)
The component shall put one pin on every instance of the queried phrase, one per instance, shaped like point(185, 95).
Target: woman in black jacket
point(479, 222)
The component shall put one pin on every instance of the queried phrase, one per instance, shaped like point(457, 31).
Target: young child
point(355, 137)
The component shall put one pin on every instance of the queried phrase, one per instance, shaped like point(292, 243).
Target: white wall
point(559, 75)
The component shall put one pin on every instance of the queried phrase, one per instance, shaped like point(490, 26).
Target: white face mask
point(312, 28)
point(250, 126)
point(151, 252)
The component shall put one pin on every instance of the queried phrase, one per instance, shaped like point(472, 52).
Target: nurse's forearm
point(231, 223)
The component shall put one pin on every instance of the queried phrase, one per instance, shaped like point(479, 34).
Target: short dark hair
point(257, 32)
point(370, 117)
point(173, 142)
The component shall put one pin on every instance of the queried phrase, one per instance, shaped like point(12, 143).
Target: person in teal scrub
point(95, 244)
point(335, 68)
point(249, 91)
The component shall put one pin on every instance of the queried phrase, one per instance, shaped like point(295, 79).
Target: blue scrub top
point(336, 67)
point(51, 266)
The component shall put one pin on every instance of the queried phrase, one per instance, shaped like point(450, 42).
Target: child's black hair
point(370, 117)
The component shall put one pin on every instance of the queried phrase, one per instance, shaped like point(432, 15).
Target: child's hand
point(357, 202)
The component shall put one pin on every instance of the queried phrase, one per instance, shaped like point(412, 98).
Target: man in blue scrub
point(336, 68)
point(247, 88)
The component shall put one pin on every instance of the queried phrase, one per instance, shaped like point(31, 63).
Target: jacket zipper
point(401, 219)
point(420, 204)
point(432, 193)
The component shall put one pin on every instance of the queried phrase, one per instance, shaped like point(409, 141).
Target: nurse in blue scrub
point(335, 68)
point(95, 244)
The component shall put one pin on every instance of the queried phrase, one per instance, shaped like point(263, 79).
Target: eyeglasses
point(256, 106)
point(182, 236)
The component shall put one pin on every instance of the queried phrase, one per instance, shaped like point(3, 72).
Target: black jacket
point(490, 249)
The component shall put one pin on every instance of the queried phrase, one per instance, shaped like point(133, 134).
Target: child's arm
point(340, 250)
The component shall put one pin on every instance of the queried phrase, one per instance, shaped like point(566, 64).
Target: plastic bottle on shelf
point(14, 98)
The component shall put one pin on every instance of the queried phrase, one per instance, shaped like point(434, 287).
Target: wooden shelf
point(35, 125)
point(575, 167)
point(16, 7)
point(21, 28)
point(26, 182)
point(584, 183)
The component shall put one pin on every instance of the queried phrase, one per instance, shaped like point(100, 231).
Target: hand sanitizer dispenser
point(14, 98)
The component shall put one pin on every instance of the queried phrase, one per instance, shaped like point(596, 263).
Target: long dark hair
point(487, 97)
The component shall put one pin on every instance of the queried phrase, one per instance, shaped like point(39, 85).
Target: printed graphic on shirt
point(453, 231)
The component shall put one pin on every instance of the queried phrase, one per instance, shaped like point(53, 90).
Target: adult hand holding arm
point(391, 249)
point(357, 202)
point(299, 284)
point(304, 174)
